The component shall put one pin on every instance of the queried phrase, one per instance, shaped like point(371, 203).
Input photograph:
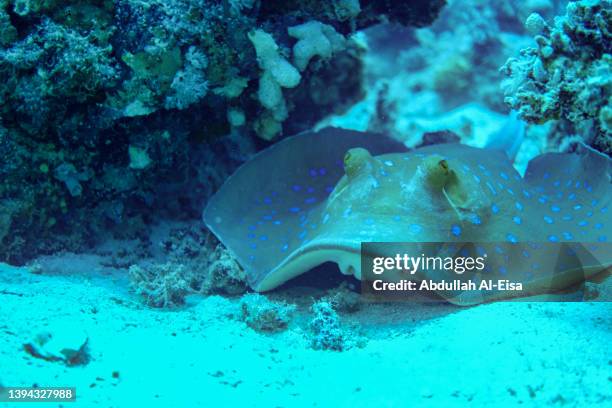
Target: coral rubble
point(264, 315)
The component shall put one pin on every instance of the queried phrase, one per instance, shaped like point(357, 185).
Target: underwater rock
point(568, 76)
point(264, 315)
point(63, 343)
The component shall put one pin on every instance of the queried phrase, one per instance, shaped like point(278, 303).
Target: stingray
point(315, 197)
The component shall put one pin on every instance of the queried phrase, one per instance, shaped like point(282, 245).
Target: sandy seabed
point(422, 355)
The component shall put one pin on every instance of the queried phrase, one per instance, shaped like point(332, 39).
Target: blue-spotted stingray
point(315, 197)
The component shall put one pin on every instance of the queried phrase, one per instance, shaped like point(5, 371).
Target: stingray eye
point(443, 164)
point(347, 157)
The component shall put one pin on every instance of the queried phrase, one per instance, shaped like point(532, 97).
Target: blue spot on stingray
point(503, 175)
point(577, 207)
point(546, 176)
point(251, 257)
point(517, 219)
point(568, 236)
point(557, 183)
point(415, 228)
point(525, 254)
point(369, 221)
point(253, 246)
point(302, 234)
point(553, 238)
point(310, 189)
point(583, 223)
point(477, 178)
point(542, 199)
point(466, 167)
point(495, 209)
point(589, 189)
point(499, 250)
point(397, 218)
point(295, 210)
point(527, 194)
point(599, 225)
point(329, 189)
point(456, 230)
point(251, 235)
point(577, 185)
point(383, 173)
point(510, 191)
point(511, 238)
point(548, 219)
point(296, 187)
point(313, 172)
point(481, 167)
point(554, 208)
point(519, 206)
point(267, 218)
point(475, 219)
point(263, 237)
point(571, 197)
point(277, 222)
point(589, 214)
point(322, 171)
point(602, 238)
point(604, 210)
point(503, 270)
point(267, 200)
point(285, 247)
point(252, 227)
point(594, 203)
point(310, 200)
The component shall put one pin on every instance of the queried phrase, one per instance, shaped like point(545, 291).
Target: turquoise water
point(186, 185)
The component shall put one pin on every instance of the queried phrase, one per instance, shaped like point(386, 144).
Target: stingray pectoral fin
point(267, 210)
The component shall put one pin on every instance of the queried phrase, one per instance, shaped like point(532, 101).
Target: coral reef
point(567, 76)
point(416, 77)
point(110, 107)
point(264, 315)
